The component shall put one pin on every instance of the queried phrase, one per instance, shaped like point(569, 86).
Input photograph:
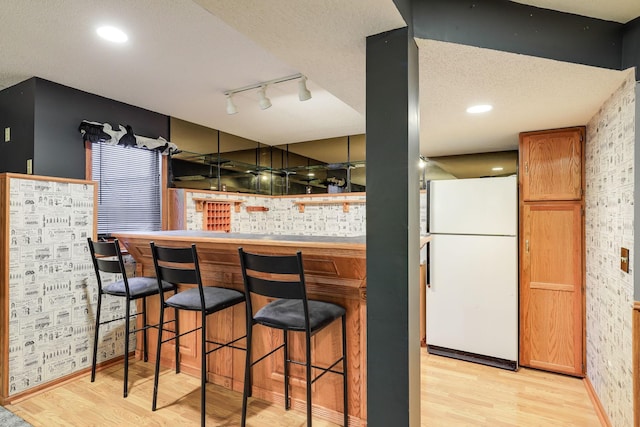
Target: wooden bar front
point(335, 271)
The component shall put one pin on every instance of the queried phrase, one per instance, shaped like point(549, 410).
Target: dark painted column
point(393, 232)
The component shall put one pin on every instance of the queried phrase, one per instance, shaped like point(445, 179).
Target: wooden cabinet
point(552, 251)
point(551, 294)
point(551, 165)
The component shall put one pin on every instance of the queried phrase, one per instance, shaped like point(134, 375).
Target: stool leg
point(286, 369)
point(203, 370)
point(177, 338)
point(158, 352)
point(345, 377)
point(308, 366)
point(95, 338)
point(247, 375)
point(126, 346)
point(145, 355)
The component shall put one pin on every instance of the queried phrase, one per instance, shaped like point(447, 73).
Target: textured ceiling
point(182, 55)
point(527, 93)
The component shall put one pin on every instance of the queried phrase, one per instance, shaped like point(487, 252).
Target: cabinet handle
point(526, 168)
point(526, 246)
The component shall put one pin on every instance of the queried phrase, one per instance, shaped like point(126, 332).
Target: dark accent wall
point(44, 119)
point(393, 232)
point(16, 112)
point(514, 27)
point(631, 47)
point(405, 9)
point(58, 146)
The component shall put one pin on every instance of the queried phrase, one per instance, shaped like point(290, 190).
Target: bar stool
point(107, 258)
point(290, 312)
point(180, 266)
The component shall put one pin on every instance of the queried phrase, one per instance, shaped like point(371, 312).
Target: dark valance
point(104, 132)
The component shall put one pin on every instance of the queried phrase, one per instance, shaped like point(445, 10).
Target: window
point(129, 188)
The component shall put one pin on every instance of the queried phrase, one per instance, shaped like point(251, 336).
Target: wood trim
point(636, 363)
point(88, 161)
point(201, 201)
point(177, 240)
point(47, 178)
point(19, 397)
point(257, 209)
point(552, 286)
point(597, 405)
point(176, 209)
point(312, 196)
point(423, 305)
point(345, 203)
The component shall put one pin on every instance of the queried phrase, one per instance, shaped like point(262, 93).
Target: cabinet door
point(551, 336)
point(551, 165)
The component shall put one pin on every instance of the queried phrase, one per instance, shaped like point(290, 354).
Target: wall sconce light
point(303, 92)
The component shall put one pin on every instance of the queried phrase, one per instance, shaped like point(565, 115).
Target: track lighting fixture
point(303, 92)
point(264, 102)
point(231, 107)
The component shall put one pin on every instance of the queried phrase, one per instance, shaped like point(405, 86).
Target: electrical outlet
point(7, 134)
point(624, 259)
point(29, 166)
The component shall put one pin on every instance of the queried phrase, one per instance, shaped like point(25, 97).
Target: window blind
point(129, 188)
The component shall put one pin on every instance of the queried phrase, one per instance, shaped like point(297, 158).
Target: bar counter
point(335, 271)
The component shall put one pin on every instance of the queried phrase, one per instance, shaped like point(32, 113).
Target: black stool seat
point(214, 299)
point(138, 287)
point(289, 314)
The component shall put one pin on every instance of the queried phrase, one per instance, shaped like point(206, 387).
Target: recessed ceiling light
point(497, 169)
point(112, 34)
point(477, 109)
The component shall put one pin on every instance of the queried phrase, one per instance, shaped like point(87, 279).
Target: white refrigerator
point(472, 297)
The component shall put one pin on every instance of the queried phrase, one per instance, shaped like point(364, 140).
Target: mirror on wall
point(213, 160)
point(480, 165)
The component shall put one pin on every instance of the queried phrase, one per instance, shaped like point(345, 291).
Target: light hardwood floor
point(454, 393)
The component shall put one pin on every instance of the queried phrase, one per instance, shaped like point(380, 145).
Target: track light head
point(303, 92)
point(264, 101)
point(231, 107)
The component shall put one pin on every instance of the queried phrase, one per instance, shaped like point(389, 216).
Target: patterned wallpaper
point(609, 170)
point(52, 286)
point(284, 217)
